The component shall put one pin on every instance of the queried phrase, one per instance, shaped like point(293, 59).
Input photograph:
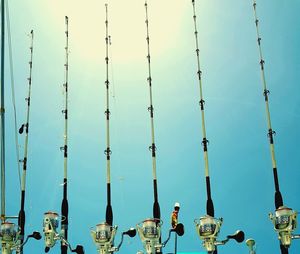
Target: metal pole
point(109, 212)
point(65, 206)
point(22, 217)
point(156, 207)
point(209, 204)
point(2, 111)
point(175, 251)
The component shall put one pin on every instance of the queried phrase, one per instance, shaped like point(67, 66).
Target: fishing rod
point(271, 132)
point(208, 227)
point(22, 217)
point(156, 207)
point(2, 112)
point(51, 222)
point(109, 211)
point(150, 229)
point(283, 227)
point(64, 204)
point(209, 203)
point(9, 233)
point(103, 234)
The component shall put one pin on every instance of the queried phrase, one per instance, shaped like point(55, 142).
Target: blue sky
point(240, 164)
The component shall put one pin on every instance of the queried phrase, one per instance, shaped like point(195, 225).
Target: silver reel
point(51, 236)
point(10, 237)
point(285, 222)
point(150, 232)
point(103, 236)
point(208, 229)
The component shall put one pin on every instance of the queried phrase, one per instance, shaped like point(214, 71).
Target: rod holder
point(150, 234)
point(285, 222)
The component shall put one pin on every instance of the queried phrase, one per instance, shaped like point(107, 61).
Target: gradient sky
point(240, 163)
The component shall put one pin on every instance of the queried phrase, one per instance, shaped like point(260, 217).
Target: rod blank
point(22, 216)
point(152, 147)
point(109, 211)
point(2, 112)
point(271, 132)
point(64, 204)
point(209, 203)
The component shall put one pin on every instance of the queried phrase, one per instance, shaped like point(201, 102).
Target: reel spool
point(8, 235)
point(208, 229)
point(103, 236)
point(150, 229)
point(102, 233)
point(285, 222)
point(8, 232)
point(150, 232)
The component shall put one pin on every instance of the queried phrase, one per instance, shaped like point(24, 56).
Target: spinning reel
point(50, 225)
point(150, 233)
point(208, 229)
point(285, 222)
point(10, 237)
point(103, 236)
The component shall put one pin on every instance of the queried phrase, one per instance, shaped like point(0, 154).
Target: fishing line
point(113, 93)
point(25, 127)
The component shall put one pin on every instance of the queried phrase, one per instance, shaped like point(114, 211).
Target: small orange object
point(174, 216)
